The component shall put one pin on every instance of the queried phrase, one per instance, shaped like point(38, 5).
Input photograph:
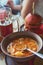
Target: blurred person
point(33, 20)
point(27, 8)
point(14, 4)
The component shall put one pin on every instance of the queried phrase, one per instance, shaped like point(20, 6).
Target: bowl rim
point(6, 53)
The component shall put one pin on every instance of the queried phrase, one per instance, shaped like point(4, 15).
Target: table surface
point(38, 61)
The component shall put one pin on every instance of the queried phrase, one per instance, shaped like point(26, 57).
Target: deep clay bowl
point(10, 37)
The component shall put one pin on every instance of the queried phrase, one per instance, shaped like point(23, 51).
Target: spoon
point(38, 54)
point(28, 49)
point(25, 48)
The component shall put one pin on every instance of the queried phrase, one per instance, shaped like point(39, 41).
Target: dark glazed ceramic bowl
point(15, 35)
